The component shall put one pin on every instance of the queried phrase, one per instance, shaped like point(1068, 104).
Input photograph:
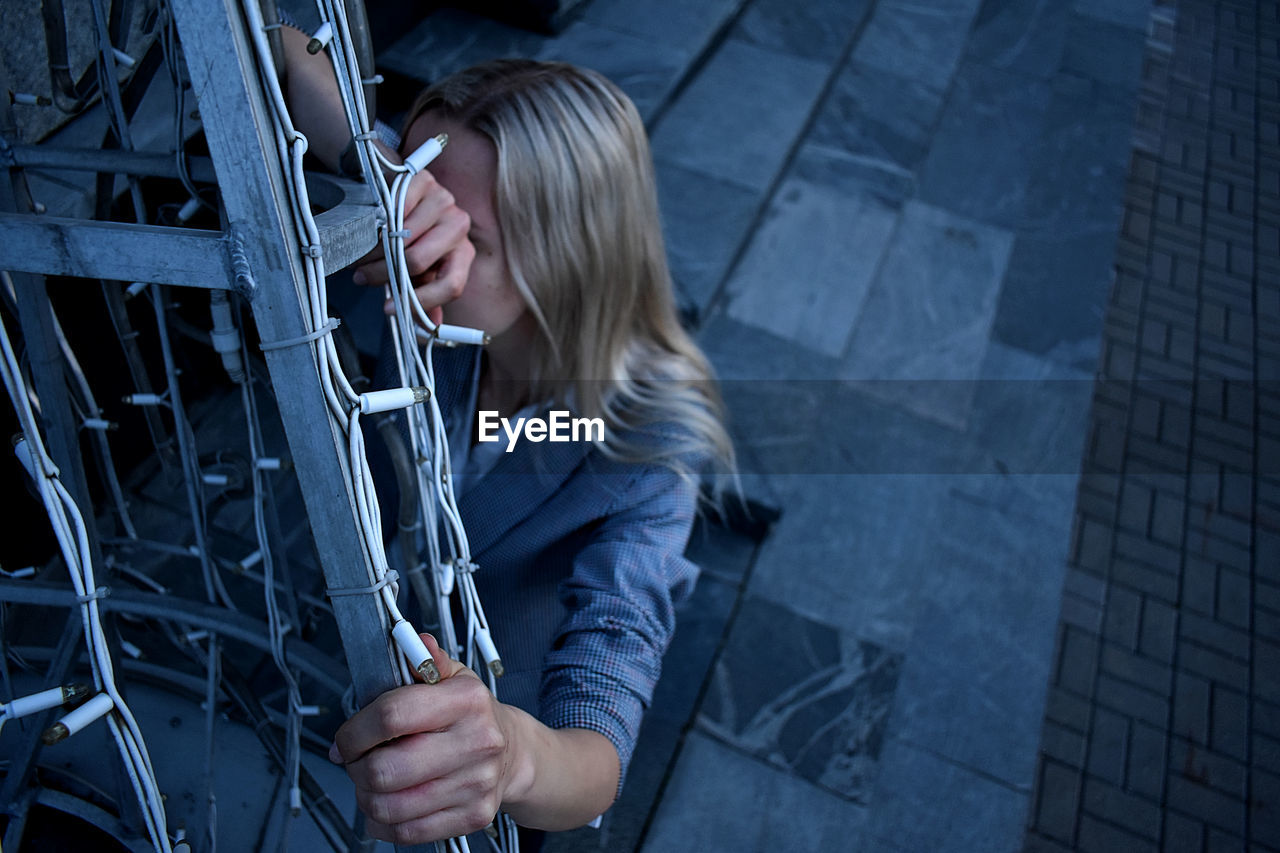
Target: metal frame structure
point(256, 255)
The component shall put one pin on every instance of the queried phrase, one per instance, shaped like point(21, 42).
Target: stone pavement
point(897, 228)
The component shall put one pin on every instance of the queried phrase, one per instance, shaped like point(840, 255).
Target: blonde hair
point(577, 205)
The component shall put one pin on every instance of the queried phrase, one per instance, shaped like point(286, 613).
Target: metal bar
point(114, 250)
point(107, 160)
point(223, 77)
point(88, 812)
point(210, 617)
point(186, 257)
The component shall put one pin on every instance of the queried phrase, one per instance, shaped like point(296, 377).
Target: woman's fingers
point(444, 283)
point(413, 709)
point(427, 761)
point(446, 823)
point(447, 666)
point(446, 233)
point(437, 253)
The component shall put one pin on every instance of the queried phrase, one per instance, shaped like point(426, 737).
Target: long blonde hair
point(577, 205)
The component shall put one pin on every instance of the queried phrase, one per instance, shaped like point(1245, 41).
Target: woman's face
point(467, 168)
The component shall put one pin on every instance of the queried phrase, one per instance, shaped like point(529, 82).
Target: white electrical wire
point(73, 541)
point(426, 425)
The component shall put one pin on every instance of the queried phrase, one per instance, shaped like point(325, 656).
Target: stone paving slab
point(928, 316)
point(816, 230)
point(724, 800)
point(740, 116)
point(980, 163)
point(705, 221)
point(917, 41)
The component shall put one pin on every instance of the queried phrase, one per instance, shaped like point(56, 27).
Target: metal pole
point(237, 127)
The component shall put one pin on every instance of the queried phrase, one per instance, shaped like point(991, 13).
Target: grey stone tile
point(917, 41)
point(722, 554)
point(1129, 14)
point(735, 349)
point(1080, 160)
point(1109, 55)
point(981, 159)
point(1061, 269)
point(876, 114)
point(1054, 294)
point(700, 624)
point(450, 40)
point(740, 115)
point(685, 26)
point(802, 696)
point(882, 180)
point(832, 426)
point(646, 70)
point(704, 220)
point(791, 415)
point(719, 799)
point(812, 261)
point(1030, 414)
point(928, 315)
point(819, 29)
point(851, 551)
point(973, 685)
point(1020, 35)
point(924, 802)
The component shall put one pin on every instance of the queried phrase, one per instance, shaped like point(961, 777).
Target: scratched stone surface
point(802, 696)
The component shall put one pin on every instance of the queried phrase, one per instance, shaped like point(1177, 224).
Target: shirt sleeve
point(621, 597)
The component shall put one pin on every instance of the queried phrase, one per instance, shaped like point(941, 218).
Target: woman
point(580, 543)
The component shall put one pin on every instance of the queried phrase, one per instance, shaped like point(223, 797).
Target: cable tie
point(333, 323)
point(313, 250)
point(366, 136)
point(269, 27)
point(465, 567)
point(371, 81)
point(389, 578)
point(99, 592)
point(403, 234)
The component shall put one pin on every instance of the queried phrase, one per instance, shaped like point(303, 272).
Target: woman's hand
point(435, 761)
point(437, 251)
point(429, 761)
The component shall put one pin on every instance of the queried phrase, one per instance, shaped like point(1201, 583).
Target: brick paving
point(1162, 727)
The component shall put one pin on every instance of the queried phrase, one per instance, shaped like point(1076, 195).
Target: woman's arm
point(432, 761)
point(315, 105)
point(438, 253)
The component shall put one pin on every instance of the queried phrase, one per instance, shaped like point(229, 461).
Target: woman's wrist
point(556, 779)
point(520, 764)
